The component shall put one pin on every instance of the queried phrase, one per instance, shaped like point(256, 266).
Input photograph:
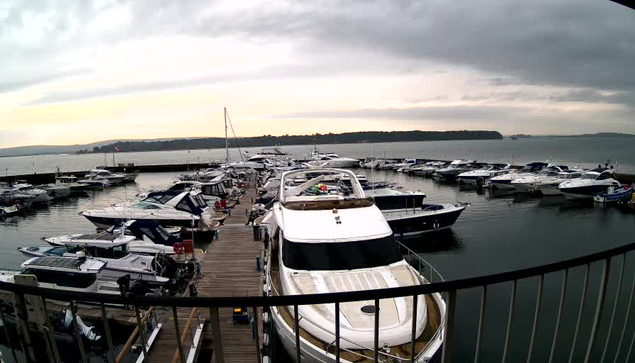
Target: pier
point(229, 269)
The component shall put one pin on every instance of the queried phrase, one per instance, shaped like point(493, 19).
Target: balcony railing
point(595, 345)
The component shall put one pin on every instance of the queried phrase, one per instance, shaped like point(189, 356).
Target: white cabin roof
point(319, 226)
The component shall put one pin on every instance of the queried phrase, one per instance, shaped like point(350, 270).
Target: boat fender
point(265, 340)
point(435, 225)
point(265, 318)
point(266, 359)
point(178, 248)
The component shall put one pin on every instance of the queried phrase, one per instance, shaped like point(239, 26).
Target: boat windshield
point(591, 176)
point(329, 256)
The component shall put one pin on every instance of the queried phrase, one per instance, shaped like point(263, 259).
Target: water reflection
point(434, 242)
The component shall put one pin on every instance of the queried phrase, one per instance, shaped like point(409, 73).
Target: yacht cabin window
point(328, 256)
point(604, 176)
point(66, 279)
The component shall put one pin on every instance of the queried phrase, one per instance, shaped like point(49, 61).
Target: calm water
point(586, 152)
point(494, 234)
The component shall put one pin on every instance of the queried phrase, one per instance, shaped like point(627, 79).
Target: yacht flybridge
point(329, 240)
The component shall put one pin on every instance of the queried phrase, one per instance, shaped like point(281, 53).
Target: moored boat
point(328, 242)
point(591, 183)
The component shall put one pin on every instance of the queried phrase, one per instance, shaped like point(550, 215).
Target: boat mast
point(226, 140)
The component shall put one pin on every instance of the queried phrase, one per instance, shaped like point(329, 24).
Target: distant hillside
point(604, 134)
point(268, 140)
point(61, 149)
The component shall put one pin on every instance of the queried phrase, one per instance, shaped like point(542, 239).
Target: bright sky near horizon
point(79, 71)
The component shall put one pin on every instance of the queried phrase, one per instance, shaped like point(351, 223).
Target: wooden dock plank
point(229, 269)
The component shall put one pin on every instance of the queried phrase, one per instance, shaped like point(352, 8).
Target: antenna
point(226, 140)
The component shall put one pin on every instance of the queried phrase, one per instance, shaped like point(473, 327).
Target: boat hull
point(423, 222)
point(107, 222)
point(584, 192)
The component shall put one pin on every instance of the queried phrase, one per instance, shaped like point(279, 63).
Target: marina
point(230, 257)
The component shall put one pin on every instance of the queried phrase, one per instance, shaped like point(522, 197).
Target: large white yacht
point(589, 184)
point(39, 195)
point(504, 182)
point(456, 167)
point(325, 241)
point(529, 182)
point(331, 160)
point(481, 176)
point(549, 186)
point(170, 209)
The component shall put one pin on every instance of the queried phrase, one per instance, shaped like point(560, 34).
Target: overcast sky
point(82, 71)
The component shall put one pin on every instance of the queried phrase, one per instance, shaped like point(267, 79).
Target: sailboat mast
point(226, 140)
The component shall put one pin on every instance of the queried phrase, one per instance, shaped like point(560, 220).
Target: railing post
point(510, 320)
point(22, 318)
point(606, 267)
point(179, 347)
point(585, 288)
point(413, 336)
point(111, 349)
point(142, 334)
point(78, 336)
point(481, 325)
point(376, 345)
point(218, 340)
point(556, 332)
point(6, 332)
point(448, 344)
point(337, 332)
point(628, 314)
point(617, 299)
point(536, 317)
point(296, 319)
point(255, 311)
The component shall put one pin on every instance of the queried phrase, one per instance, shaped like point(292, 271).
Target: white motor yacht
point(170, 209)
point(549, 186)
point(405, 165)
point(103, 177)
point(56, 191)
point(528, 183)
point(70, 274)
point(456, 167)
point(504, 182)
point(148, 238)
point(481, 176)
point(591, 183)
point(39, 195)
point(427, 169)
point(327, 241)
point(331, 160)
point(111, 249)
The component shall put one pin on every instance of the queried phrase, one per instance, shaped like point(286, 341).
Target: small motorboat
point(9, 211)
point(614, 194)
point(56, 191)
point(481, 176)
point(456, 167)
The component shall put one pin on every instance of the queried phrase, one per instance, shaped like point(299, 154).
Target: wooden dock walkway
point(229, 269)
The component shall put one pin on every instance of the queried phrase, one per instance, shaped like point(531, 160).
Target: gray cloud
point(584, 44)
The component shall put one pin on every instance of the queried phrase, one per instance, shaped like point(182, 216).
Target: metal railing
point(450, 288)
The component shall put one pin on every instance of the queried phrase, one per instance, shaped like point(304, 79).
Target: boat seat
point(431, 207)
